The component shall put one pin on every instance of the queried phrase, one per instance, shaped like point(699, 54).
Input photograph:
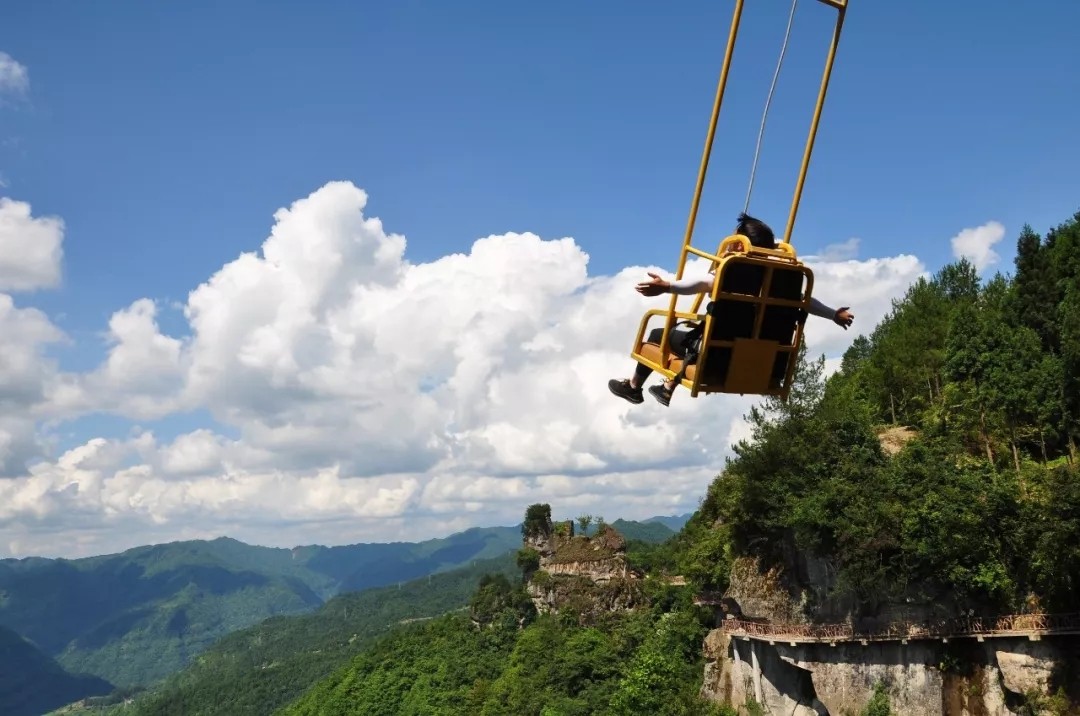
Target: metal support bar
point(720, 87)
point(841, 6)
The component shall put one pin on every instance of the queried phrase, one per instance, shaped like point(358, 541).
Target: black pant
point(676, 344)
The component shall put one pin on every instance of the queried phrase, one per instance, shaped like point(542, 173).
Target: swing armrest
point(683, 315)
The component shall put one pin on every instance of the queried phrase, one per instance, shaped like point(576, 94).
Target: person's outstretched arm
point(841, 317)
point(686, 286)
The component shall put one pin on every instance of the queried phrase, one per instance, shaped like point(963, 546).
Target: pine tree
point(1035, 289)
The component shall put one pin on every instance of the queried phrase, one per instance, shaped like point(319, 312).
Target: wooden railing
point(1018, 624)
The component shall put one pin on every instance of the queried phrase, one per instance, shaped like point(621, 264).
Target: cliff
point(772, 648)
point(586, 575)
point(1004, 676)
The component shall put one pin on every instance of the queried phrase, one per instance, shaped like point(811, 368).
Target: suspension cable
point(768, 102)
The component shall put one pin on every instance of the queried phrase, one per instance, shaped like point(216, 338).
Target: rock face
point(1000, 676)
point(1027, 668)
point(799, 591)
point(589, 575)
point(997, 677)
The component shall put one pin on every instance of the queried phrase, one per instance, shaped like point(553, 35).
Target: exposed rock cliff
point(1000, 676)
point(800, 590)
point(1005, 676)
point(588, 575)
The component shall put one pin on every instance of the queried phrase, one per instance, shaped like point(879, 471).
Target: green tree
point(537, 521)
point(1035, 288)
point(1069, 326)
point(528, 561)
point(662, 675)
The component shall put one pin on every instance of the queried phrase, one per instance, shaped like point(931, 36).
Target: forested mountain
point(505, 659)
point(643, 531)
point(138, 616)
point(674, 523)
point(31, 683)
point(255, 670)
point(135, 617)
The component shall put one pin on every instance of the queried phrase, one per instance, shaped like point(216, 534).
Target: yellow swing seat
point(752, 329)
point(754, 323)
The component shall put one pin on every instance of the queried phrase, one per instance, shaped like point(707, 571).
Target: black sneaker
point(624, 390)
point(662, 395)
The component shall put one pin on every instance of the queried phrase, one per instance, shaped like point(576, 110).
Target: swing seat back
point(752, 328)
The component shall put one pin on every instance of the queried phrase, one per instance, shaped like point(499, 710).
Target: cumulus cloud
point(142, 377)
point(842, 251)
point(30, 248)
point(976, 244)
point(29, 382)
point(370, 397)
point(867, 287)
point(14, 77)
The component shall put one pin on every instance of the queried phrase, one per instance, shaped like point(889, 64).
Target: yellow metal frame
point(785, 246)
point(735, 248)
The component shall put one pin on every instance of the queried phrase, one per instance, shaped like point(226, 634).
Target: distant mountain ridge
point(673, 522)
point(137, 616)
point(643, 531)
point(255, 670)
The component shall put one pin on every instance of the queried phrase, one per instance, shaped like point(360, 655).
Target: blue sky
point(166, 135)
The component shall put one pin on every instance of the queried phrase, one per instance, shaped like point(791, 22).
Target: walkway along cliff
point(1016, 664)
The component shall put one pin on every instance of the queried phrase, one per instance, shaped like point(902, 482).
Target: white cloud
point(142, 376)
point(30, 251)
point(376, 398)
point(29, 382)
point(843, 251)
point(976, 244)
point(866, 287)
point(14, 77)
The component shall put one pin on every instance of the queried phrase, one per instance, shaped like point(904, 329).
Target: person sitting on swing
point(760, 235)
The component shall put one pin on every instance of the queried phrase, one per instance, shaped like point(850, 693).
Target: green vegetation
point(255, 670)
point(649, 532)
point(646, 661)
point(260, 668)
point(537, 522)
point(580, 549)
point(31, 683)
point(879, 702)
point(980, 509)
point(136, 617)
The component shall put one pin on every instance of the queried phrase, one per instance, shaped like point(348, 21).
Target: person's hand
point(844, 317)
point(653, 288)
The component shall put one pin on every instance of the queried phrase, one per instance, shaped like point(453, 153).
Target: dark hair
point(757, 231)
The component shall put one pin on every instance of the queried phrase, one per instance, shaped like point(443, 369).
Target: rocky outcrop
point(801, 590)
point(997, 677)
point(589, 575)
point(739, 673)
point(1028, 667)
point(894, 438)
